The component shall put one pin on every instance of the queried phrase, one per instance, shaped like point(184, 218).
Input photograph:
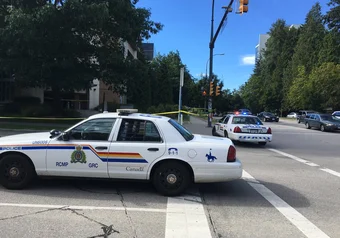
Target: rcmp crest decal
point(78, 156)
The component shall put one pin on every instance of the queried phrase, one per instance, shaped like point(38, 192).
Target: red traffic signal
point(204, 93)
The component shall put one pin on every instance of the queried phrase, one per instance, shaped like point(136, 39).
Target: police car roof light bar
point(126, 111)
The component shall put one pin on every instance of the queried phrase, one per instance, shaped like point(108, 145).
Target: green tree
point(325, 79)
point(330, 49)
point(332, 17)
point(298, 93)
point(287, 55)
point(310, 41)
point(65, 48)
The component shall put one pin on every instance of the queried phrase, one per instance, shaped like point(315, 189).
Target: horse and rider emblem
point(210, 157)
point(78, 156)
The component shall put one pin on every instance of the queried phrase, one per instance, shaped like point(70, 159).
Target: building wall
point(261, 45)
point(110, 96)
point(94, 94)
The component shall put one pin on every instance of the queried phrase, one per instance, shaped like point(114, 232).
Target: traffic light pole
point(211, 47)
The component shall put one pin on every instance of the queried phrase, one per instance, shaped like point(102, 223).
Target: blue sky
point(187, 29)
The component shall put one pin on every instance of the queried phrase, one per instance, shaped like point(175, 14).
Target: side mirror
point(65, 136)
point(55, 132)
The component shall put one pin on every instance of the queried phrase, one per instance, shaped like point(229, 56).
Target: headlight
point(329, 124)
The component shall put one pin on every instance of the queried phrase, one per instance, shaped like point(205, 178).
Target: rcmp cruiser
point(122, 145)
point(243, 128)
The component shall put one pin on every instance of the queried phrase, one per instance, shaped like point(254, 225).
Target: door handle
point(153, 149)
point(101, 148)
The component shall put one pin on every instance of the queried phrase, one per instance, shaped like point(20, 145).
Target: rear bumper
point(217, 172)
point(244, 137)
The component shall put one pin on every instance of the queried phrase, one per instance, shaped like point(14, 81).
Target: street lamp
point(206, 66)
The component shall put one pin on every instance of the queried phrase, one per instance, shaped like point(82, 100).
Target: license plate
point(254, 131)
point(273, 119)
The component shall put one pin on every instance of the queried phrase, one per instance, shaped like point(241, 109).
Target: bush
point(27, 100)
point(37, 111)
point(71, 114)
point(160, 108)
point(152, 110)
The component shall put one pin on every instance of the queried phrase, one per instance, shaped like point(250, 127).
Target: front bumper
point(245, 137)
point(217, 172)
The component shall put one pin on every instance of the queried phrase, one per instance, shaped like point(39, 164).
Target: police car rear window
point(246, 120)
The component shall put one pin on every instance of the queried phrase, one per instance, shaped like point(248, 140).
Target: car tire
point(262, 143)
point(214, 131)
point(16, 172)
point(171, 178)
point(226, 134)
point(307, 125)
point(322, 128)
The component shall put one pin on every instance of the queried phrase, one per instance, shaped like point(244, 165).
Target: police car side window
point(135, 130)
point(97, 129)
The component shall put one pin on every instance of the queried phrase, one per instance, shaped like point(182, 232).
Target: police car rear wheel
point(171, 178)
point(16, 172)
point(214, 131)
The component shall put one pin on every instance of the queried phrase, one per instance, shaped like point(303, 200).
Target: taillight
point(231, 157)
point(237, 130)
point(269, 131)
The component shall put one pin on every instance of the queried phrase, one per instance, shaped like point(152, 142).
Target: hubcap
point(171, 178)
point(14, 172)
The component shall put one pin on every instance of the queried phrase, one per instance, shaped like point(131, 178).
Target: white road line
point(332, 172)
point(296, 218)
point(294, 158)
point(132, 209)
point(185, 218)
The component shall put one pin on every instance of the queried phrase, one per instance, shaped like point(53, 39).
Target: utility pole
point(213, 38)
point(181, 83)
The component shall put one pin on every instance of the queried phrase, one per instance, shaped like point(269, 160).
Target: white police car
point(123, 145)
point(243, 128)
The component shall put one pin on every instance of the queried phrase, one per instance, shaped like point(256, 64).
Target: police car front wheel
point(15, 172)
point(171, 178)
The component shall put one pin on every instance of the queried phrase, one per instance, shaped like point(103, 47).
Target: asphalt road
point(290, 188)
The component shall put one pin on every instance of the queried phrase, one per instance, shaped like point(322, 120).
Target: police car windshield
point(246, 120)
point(182, 130)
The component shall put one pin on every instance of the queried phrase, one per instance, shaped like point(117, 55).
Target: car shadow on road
point(240, 193)
point(94, 189)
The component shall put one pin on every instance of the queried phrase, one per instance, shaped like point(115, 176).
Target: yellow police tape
point(175, 112)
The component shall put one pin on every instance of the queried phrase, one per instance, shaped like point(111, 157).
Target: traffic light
point(204, 93)
point(211, 88)
point(243, 6)
point(218, 90)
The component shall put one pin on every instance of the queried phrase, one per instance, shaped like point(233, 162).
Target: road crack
point(33, 213)
point(108, 230)
point(126, 213)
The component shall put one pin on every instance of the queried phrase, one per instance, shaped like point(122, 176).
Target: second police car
point(243, 128)
point(123, 145)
